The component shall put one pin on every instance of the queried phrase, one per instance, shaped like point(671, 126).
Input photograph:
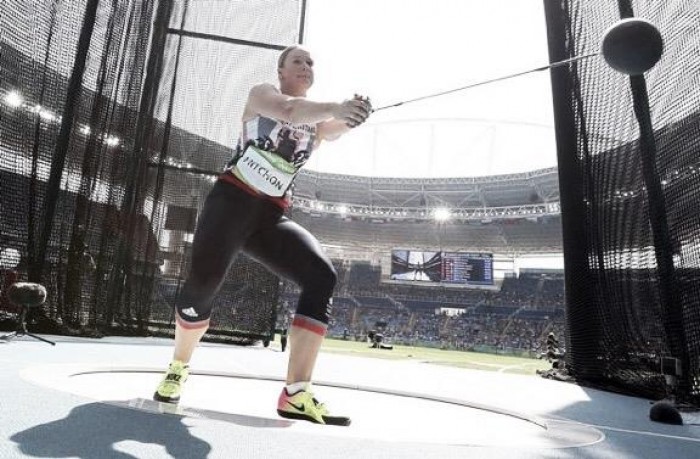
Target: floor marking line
point(640, 432)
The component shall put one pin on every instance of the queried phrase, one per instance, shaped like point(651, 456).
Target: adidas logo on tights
point(190, 312)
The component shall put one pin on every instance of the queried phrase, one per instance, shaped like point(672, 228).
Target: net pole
point(139, 157)
point(663, 247)
point(583, 341)
point(143, 135)
point(160, 172)
point(302, 21)
point(62, 142)
point(151, 83)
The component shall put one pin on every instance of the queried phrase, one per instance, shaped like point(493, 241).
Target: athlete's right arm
point(264, 99)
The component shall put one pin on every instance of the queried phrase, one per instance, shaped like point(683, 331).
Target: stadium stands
point(514, 320)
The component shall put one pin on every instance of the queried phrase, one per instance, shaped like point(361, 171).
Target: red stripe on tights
point(191, 325)
point(308, 325)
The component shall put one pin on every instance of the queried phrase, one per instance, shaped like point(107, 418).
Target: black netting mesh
point(71, 78)
point(116, 117)
point(632, 258)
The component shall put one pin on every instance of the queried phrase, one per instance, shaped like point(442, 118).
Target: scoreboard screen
point(416, 265)
point(456, 268)
point(467, 268)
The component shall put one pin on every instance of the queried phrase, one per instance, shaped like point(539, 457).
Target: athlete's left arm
point(332, 129)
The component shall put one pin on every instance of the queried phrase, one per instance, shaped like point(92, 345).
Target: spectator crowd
point(515, 318)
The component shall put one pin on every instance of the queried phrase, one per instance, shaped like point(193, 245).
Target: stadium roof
point(505, 213)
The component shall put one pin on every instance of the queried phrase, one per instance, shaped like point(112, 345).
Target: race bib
point(266, 172)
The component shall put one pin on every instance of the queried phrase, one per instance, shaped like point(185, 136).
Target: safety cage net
point(630, 205)
point(117, 117)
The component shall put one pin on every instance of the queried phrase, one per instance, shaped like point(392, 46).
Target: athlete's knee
point(329, 280)
point(322, 279)
point(203, 285)
point(316, 297)
point(195, 302)
point(316, 302)
point(313, 312)
point(192, 312)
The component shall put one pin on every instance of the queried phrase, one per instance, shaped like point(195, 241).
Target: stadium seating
point(515, 319)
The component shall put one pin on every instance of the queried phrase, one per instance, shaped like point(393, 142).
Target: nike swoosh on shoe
point(301, 407)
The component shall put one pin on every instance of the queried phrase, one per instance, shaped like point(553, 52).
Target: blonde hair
point(285, 52)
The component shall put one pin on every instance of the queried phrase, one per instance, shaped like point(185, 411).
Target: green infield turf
point(461, 359)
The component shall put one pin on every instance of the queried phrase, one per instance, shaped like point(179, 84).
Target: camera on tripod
point(376, 339)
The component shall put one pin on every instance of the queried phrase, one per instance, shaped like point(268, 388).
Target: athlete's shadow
point(93, 430)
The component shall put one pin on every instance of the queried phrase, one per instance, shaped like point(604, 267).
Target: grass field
point(472, 360)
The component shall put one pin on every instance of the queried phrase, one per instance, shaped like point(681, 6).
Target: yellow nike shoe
point(304, 406)
point(170, 387)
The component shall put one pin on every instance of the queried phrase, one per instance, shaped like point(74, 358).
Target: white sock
point(297, 387)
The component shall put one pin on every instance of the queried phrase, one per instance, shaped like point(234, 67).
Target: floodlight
point(441, 214)
point(14, 99)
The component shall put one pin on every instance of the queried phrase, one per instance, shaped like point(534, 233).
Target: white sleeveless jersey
point(292, 142)
point(279, 150)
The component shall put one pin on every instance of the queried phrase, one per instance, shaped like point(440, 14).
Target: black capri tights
point(233, 220)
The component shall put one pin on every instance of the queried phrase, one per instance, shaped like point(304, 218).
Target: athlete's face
point(297, 70)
